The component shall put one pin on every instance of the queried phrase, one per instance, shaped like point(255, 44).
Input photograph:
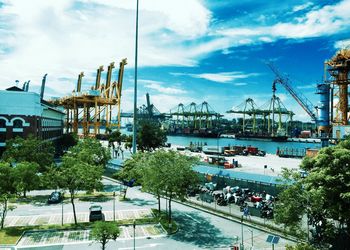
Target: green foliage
point(7, 189)
point(115, 136)
point(324, 194)
point(132, 168)
point(26, 175)
point(29, 150)
point(150, 136)
point(104, 231)
point(75, 175)
point(81, 169)
point(91, 152)
point(300, 246)
point(68, 140)
point(163, 173)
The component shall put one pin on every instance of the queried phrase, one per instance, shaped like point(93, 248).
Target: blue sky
point(189, 50)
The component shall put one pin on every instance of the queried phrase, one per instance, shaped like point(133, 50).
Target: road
point(197, 229)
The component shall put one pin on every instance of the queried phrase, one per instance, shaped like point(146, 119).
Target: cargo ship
point(261, 137)
point(205, 133)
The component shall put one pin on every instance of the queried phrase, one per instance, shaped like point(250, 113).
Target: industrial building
point(24, 113)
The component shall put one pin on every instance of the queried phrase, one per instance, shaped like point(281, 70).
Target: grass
point(11, 235)
point(162, 218)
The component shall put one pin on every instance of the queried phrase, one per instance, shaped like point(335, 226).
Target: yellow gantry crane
point(93, 108)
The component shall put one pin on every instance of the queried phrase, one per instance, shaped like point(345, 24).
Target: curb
point(235, 219)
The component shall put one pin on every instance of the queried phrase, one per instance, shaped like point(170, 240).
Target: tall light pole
point(134, 226)
point(251, 231)
point(135, 82)
point(113, 206)
point(242, 244)
point(62, 208)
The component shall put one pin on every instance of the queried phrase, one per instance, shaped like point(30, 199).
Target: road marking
point(189, 216)
point(141, 247)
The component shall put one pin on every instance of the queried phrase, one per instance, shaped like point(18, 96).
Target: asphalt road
point(197, 229)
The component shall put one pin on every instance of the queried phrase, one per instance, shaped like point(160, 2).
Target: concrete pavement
point(197, 229)
point(68, 218)
point(63, 237)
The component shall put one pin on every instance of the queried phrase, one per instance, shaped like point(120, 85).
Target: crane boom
point(299, 97)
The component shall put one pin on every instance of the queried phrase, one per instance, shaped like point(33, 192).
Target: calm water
point(268, 146)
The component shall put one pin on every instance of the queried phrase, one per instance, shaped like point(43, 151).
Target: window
point(2, 123)
point(17, 124)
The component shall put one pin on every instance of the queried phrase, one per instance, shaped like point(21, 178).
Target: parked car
point(96, 213)
point(55, 197)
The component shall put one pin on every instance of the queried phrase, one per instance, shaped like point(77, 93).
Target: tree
point(150, 136)
point(323, 195)
point(75, 175)
point(178, 176)
point(29, 150)
point(82, 169)
point(67, 140)
point(132, 170)
point(104, 231)
point(300, 246)
point(169, 173)
point(91, 152)
point(7, 189)
point(26, 175)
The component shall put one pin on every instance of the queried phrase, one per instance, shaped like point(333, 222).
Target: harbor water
point(268, 146)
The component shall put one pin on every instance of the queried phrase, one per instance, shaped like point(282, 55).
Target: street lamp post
point(135, 82)
point(134, 226)
point(251, 231)
point(113, 206)
point(62, 207)
point(242, 244)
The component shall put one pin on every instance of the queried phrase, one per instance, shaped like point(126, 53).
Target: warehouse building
point(25, 113)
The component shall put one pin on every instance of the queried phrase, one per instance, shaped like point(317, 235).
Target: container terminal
point(95, 109)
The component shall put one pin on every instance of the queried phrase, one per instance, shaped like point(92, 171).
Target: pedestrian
point(246, 212)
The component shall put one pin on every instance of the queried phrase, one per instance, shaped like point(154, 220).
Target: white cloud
point(342, 44)
point(302, 6)
point(66, 37)
point(328, 20)
point(158, 86)
point(222, 77)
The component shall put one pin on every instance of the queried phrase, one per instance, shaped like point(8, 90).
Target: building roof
point(257, 178)
point(14, 88)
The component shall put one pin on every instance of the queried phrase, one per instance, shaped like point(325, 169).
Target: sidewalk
point(232, 212)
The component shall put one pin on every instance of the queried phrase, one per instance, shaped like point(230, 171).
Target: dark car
point(55, 197)
point(96, 213)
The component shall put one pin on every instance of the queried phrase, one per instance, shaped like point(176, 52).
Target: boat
point(205, 133)
point(261, 137)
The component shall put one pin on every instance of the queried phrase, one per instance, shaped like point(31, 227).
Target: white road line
point(144, 232)
point(189, 216)
point(152, 245)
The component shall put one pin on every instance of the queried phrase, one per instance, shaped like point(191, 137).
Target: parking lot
point(52, 219)
point(44, 238)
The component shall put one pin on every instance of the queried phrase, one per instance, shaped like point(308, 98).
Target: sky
point(189, 50)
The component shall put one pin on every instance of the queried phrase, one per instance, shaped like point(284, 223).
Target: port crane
point(299, 97)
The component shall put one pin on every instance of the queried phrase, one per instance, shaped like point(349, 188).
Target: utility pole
point(113, 206)
point(242, 244)
point(134, 226)
point(135, 82)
